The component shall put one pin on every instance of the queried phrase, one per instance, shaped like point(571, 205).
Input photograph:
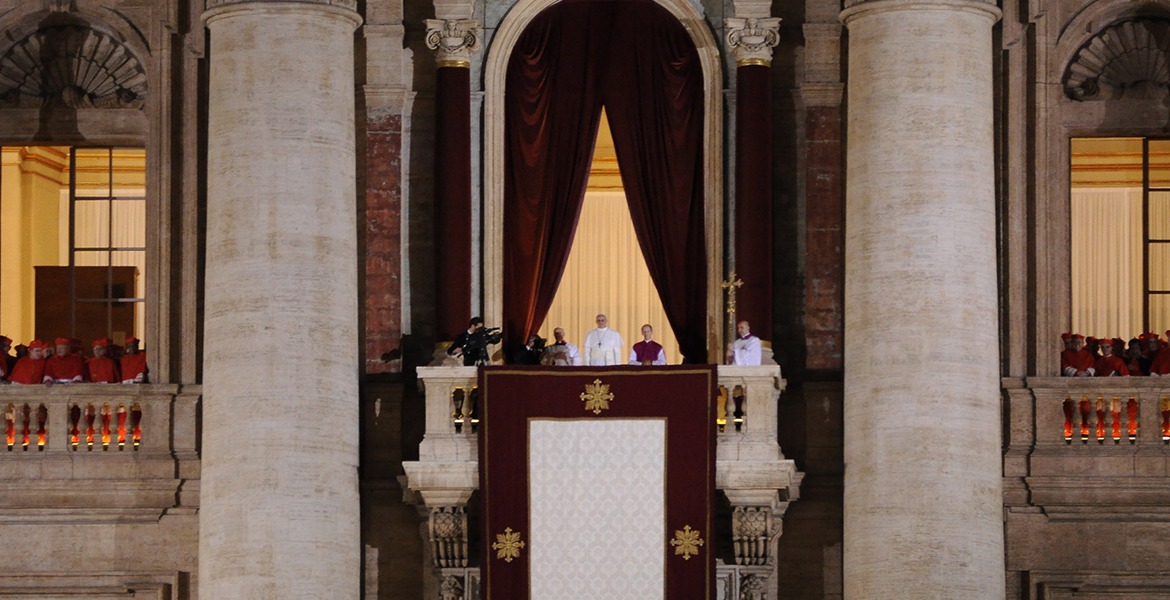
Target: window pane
point(1106, 255)
point(129, 172)
point(1160, 215)
point(93, 171)
point(90, 259)
point(1160, 163)
point(1159, 267)
point(129, 230)
point(136, 260)
point(1159, 312)
point(91, 224)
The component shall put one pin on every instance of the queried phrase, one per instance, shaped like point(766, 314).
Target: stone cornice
point(350, 4)
point(854, 8)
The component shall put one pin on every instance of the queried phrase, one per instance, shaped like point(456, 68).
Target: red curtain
point(638, 61)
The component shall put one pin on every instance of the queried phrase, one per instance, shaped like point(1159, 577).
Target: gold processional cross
point(731, 285)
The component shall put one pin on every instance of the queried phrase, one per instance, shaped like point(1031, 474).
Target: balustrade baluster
point(106, 417)
point(121, 426)
point(74, 426)
point(90, 417)
point(10, 426)
point(136, 424)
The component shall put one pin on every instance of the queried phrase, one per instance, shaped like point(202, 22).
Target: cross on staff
point(731, 285)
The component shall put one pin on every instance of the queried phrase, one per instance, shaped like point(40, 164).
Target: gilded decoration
point(453, 41)
point(508, 545)
point(596, 396)
point(686, 542)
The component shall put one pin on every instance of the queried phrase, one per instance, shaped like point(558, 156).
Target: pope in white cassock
point(603, 346)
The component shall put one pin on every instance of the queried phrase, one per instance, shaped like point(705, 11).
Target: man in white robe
point(745, 350)
point(603, 346)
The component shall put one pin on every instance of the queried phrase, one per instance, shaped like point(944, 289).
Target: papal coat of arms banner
point(597, 483)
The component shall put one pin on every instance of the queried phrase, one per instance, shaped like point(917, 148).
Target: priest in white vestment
point(745, 350)
point(603, 346)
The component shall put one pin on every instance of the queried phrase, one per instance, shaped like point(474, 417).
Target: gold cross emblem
point(686, 542)
point(508, 545)
point(596, 396)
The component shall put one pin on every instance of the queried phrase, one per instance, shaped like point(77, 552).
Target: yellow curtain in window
point(1107, 265)
point(606, 273)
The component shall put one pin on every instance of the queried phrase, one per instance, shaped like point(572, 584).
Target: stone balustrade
point(1088, 447)
point(751, 472)
point(117, 453)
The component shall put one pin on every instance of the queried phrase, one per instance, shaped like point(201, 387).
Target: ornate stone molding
point(350, 4)
point(72, 65)
point(753, 587)
point(753, 40)
point(453, 41)
point(1126, 59)
point(751, 534)
point(447, 529)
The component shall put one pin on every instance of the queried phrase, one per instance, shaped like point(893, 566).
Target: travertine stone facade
point(280, 514)
point(922, 482)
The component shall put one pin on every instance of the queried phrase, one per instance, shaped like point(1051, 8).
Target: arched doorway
point(655, 68)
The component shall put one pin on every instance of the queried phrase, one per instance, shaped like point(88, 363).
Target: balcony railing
point(751, 470)
point(92, 452)
point(1088, 447)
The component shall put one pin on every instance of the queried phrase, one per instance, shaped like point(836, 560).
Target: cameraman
point(456, 348)
point(531, 352)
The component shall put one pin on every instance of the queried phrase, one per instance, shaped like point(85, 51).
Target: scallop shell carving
point(73, 66)
point(1127, 59)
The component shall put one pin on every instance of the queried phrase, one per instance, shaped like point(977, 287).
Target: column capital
point(753, 39)
point(453, 41)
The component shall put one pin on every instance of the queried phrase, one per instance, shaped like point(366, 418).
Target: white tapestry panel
point(597, 502)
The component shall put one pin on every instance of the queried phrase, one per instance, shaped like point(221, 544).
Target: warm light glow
point(121, 426)
point(106, 415)
point(606, 273)
point(89, 429)
point(136, 423)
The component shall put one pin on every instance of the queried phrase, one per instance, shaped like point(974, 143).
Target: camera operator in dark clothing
point(457, 347)
point(473, 344)
point(531, 352)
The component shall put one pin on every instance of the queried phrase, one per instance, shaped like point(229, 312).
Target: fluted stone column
point(923, 506)
point(279, 514)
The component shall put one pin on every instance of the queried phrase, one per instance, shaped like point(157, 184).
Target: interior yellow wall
point(34, 219)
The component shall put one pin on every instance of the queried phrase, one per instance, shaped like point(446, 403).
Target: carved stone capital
point(451, 588)
point(453, 41)
point(752, 531)
point(753, 587)
point(753, 39)
point(447, 534)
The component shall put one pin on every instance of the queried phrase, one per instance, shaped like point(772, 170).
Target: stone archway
point(495, 69)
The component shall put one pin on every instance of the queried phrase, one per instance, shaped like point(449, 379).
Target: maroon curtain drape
point(637, 60)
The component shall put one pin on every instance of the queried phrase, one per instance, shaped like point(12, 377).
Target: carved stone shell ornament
point(71, 65)
point(1127, 59)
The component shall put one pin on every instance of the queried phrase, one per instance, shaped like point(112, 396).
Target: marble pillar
point(279, 514)
point(752, 40)
point(923, 505)
point(453, 41)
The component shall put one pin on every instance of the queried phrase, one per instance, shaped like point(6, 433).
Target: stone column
point(279, 505)
point(753, 40)
point(923, 506)
point(453, 40)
